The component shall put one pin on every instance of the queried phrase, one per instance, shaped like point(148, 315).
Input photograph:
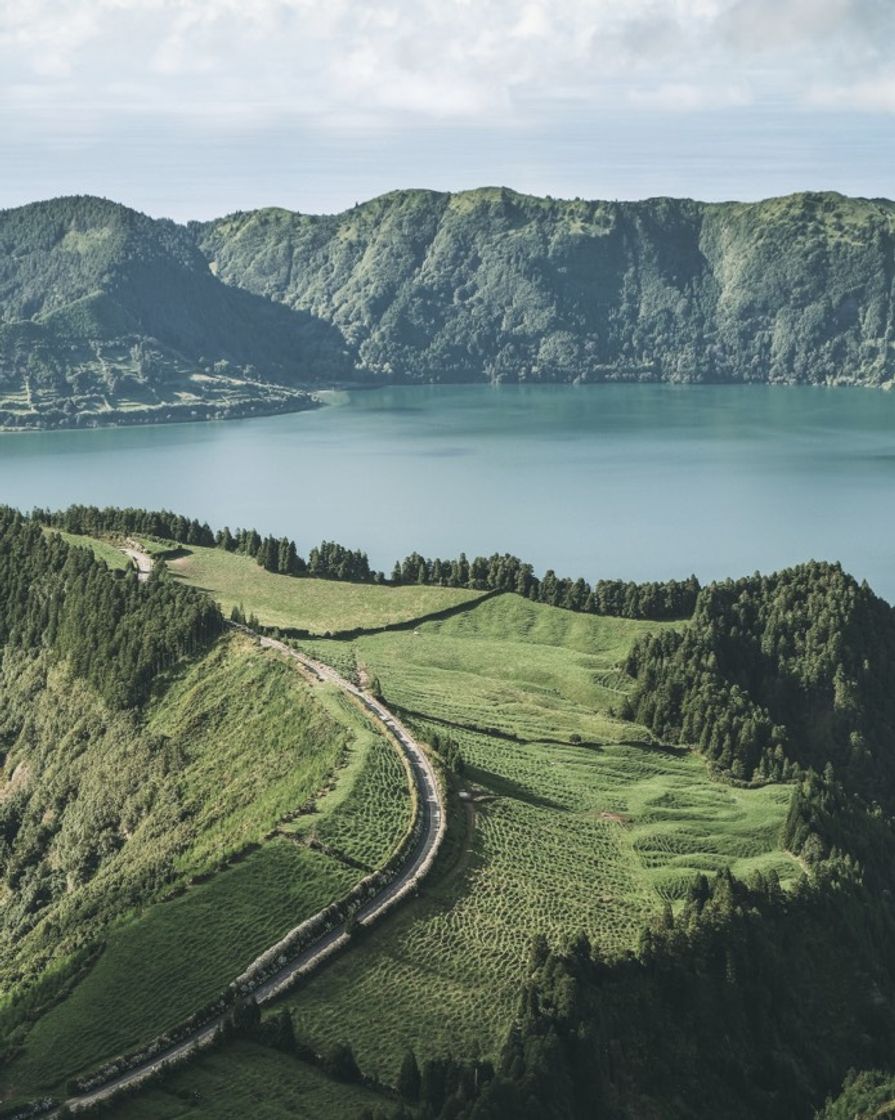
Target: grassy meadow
point(319, 606)
point(103, 550)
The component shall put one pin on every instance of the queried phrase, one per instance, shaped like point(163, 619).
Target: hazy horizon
point(315, 106)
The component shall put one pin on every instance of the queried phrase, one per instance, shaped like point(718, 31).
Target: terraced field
point(568, 837)
point(317, 605)
point(246, 1080)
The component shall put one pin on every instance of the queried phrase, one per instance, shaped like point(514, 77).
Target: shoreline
point(323, 398)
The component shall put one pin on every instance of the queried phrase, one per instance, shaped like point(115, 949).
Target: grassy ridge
point(249, 746)
point(316, 605)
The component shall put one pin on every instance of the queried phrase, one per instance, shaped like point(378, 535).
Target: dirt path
point(142, 560)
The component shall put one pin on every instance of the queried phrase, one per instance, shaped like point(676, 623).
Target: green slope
point(107, 315)
point(491, 284)
point(139, 809)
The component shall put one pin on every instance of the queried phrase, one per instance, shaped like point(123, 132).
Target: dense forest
point(116, 634)
point(110, 315)
point(792, 669)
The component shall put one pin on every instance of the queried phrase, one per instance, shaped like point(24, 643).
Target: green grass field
point(245, 1081)
point(258, 748)
point(567, 838)
point(103, 550)
point(317, 605)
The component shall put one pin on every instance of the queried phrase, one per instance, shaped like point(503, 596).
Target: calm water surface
point(639, 481)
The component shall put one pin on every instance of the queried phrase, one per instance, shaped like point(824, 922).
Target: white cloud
point(445, 59)
point(875, 95)
point(298, 84)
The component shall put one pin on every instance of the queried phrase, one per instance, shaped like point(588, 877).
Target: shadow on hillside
point(506, 787)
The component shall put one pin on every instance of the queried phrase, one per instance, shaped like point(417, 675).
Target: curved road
point(418, 862)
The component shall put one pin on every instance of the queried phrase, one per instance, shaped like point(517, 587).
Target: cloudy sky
point(193, 108)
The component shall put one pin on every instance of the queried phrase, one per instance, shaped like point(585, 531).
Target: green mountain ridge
point(106, 311)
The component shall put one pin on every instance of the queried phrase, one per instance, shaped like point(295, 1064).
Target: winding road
point(420, 857)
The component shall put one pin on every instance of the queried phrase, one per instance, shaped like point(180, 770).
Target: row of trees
point(671, 599)
point(94, 521)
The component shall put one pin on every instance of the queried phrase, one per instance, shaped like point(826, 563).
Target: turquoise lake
point(633, 481)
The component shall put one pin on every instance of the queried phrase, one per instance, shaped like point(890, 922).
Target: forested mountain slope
point(107, 315)
point(490, 284)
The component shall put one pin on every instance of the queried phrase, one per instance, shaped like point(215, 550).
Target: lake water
point(636, 481)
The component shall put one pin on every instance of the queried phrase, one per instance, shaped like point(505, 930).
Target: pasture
point(568, 837)
point(319, 606)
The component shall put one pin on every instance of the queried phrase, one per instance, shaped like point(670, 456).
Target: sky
point(196, 108)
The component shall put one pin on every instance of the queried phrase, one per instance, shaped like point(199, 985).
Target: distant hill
point(108, 315)
point(104, 311)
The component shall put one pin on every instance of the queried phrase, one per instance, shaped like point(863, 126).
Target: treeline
point(92, 521)
point(671, 599)
point(116, 633)
point(777, 674)
point(328, 560)
point(657, 601)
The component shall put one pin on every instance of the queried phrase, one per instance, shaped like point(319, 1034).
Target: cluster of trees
point(777, 673)
point(671, 599)
point(449, 749)
point(92, 521)
point(274, 554)
point(117, 634)
point(327, 560)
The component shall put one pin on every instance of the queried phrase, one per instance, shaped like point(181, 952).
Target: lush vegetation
point(109, 316)
point(317, 606)
point(775, 673)
point(673, 599)
point(127, 783)
point(578, 824)
point(665, 892)
point(117, 635)
point(494, 285)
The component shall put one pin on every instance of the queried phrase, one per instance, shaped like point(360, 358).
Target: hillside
point(494, 285)
point(109, 316)
point(173, 800)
